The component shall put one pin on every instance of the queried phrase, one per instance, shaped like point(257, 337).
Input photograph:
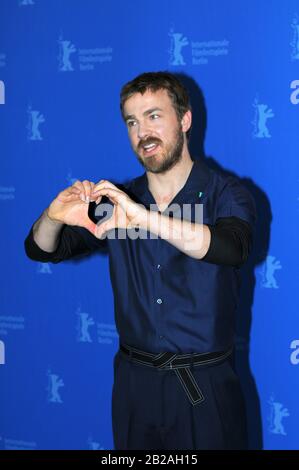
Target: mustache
point(147, 142)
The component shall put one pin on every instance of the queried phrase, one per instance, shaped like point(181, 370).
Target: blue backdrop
point(62, 64)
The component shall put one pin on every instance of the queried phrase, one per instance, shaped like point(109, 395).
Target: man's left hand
point(126, 213)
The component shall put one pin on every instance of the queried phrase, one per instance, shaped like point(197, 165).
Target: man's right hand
point(71, 205)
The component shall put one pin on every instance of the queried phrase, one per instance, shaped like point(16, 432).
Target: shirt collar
point(197, 182)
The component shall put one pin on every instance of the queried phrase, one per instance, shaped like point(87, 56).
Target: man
point(175, 276)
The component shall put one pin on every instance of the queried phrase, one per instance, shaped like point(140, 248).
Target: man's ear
point(186, 121)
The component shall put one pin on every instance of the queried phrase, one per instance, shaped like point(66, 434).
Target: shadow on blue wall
point(247, 272)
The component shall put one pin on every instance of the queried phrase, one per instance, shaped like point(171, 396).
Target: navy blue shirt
point(164, 299)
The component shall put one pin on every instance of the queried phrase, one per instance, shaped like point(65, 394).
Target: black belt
point(180, 364)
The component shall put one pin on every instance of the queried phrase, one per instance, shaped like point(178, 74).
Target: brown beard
point(171, 159)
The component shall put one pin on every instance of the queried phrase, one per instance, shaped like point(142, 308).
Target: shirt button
point(158, 266)
point(159, 301)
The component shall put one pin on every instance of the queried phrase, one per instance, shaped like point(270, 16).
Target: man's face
point(155, 133)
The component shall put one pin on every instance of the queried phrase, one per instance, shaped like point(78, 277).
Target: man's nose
point(143, 131)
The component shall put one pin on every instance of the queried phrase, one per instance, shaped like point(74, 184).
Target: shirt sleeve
point(236, 200)
point(231, 242)
point(233, 232)
point(73, 241)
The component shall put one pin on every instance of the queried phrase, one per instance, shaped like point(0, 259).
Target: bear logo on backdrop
point(44, 268)
point(85, 321)
point(35, 118)
point(178, 41)
point(84, 60)
point(66, 48)
point(54, 384)
point(201, 51)
point(261, 116)
point(267, 272)
point(277, 413)
point(93, 445)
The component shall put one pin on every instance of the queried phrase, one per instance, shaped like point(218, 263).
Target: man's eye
point(130, 123)
point(153, 115)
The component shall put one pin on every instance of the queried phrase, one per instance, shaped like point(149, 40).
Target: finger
point(94, 187)
point(113, 191)
point(93, 197)
point(75, 186)
point(104, 184)
point(78, 184)
point(101, 181)
point(73, 197)
point(67, 197)
point(67, 193)
point(110, 193)
point(75, 191)
point(87, 188)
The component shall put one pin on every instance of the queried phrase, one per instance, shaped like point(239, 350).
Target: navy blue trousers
point(151, 410)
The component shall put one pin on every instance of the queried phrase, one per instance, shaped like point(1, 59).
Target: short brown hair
point(155, 81)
